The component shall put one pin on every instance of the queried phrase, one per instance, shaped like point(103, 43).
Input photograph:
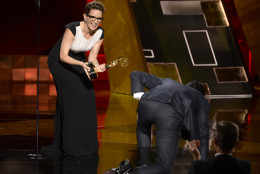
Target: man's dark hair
point(226, 136)
point(197, 85)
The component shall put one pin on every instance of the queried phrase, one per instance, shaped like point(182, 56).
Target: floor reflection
point(116, 133)
point(75, 164)
point(16, 166)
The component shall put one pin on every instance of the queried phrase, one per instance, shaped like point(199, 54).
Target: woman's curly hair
point(94, 5)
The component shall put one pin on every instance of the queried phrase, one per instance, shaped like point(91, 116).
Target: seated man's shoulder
point(231, 164)
point(199, 167)
point(245, 165)
point(201, 162)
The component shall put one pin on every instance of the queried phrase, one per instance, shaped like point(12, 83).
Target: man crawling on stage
point(177, 110)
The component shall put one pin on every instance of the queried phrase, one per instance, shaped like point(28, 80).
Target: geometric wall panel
point(200, 48)
point(164, 70)
point(230, 74)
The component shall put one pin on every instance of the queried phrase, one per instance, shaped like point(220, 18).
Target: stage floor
point(116, 133)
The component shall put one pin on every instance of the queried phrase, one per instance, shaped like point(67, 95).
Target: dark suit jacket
point(188, 102)
point(221, 164)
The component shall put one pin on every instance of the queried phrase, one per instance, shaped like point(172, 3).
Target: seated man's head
point(226, 136)
point(197, 85)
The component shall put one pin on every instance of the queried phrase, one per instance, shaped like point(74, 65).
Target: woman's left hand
point(101, 68)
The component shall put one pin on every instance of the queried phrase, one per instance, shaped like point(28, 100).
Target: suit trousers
point(168, 123)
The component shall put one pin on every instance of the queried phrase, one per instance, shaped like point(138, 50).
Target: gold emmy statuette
point(118, 62)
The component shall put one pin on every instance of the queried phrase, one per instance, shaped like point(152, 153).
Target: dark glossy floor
point(116, 132)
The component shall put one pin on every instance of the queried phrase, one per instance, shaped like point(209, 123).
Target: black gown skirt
point(75, 117)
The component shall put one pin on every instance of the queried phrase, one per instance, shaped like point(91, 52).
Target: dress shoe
point(124, 168)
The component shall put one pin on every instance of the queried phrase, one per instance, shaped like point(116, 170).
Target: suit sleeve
point(141, 80)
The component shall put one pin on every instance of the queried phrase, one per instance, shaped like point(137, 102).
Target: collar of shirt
point(223, 154)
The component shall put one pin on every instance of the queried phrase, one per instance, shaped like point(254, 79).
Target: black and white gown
point(75, 117)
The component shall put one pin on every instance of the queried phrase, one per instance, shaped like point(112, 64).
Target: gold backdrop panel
point(164, 70)
point(122, 38)
point(248, 12)
point(230, 74)
point(119, 132)
point(214, 13)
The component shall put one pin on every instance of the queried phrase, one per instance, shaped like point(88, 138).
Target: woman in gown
point(75, 118)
